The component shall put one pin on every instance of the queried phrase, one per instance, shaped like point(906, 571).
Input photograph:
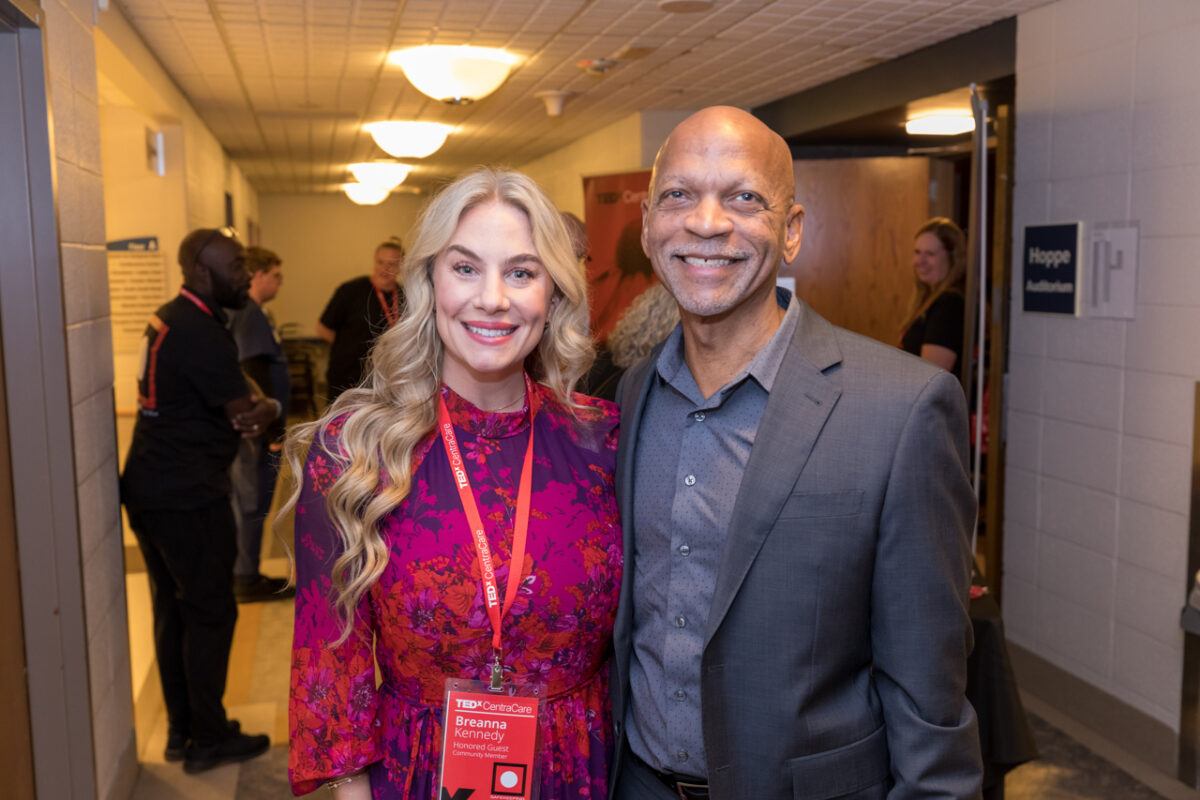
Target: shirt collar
point(673, 369)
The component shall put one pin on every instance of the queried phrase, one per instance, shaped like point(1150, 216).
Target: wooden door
point(855, 262)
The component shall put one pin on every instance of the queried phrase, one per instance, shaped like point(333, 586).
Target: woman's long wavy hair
point(955, 241)
point(395, 407)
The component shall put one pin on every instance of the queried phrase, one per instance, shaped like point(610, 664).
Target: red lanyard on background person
point(392, 311)
point(199, 303)
point(491, 594)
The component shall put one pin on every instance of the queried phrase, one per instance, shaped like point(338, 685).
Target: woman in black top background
point(933, 328)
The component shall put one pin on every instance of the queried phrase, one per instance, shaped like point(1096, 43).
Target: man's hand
point(254, 420)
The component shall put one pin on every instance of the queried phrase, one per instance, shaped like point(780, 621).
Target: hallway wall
point(71, 67)
point(1099, 425)
point(69, 27)
point(325, 240)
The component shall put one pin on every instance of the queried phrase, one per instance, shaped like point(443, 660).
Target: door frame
point(39, 422)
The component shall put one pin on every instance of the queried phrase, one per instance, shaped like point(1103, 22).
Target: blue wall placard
point(1050, 279)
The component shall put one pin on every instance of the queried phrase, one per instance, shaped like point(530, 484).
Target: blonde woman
point(934, 327)
point(492, 340)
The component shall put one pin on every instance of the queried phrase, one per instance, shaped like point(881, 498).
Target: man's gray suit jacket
point(835, 654)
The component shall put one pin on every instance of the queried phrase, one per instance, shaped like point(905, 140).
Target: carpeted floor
point(1069, 771)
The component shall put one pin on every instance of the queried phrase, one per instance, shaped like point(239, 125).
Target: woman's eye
point(463, 269)
point(522, 274)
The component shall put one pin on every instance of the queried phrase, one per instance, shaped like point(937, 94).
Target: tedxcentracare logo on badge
point(509, 779)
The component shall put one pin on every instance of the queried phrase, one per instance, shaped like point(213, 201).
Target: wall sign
point(1051, 259)
point(137, 286)
point(1111, 289)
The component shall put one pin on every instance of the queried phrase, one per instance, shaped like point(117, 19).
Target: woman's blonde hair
point(395, 407)
point(955, 242)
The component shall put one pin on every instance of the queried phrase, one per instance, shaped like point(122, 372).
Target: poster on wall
point(137, 286)
point(618, 270)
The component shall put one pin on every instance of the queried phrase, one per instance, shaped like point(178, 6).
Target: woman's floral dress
point(426, 619)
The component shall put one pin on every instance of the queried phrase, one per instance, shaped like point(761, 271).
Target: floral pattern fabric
point(425, 618)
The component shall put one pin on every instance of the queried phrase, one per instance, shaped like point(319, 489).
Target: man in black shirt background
point(360, 310)
point(193, 404)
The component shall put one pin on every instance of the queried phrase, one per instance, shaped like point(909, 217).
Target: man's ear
point(793, 231)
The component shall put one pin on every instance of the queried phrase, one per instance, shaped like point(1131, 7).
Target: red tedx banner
point(489, 747)
point(618, 270)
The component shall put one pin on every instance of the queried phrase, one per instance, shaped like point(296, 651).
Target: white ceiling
point(286, 84)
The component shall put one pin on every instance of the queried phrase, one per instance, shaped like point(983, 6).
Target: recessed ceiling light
point(940, 124)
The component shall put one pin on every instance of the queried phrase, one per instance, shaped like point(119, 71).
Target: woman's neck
point(505, 394)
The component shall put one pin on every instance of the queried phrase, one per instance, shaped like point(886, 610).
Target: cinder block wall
point(71, 62)
point(1099, 423)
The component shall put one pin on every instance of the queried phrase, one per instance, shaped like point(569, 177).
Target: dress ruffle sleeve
point(333, 703)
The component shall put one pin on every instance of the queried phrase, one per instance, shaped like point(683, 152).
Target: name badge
point(489, 743)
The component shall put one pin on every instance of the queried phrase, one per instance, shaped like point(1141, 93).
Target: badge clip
point(497, 684)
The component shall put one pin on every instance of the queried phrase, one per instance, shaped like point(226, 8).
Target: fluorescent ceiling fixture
point(455, 74)
point(384, 174)
point(364, 193)
point(409, 139)
point(948, 123)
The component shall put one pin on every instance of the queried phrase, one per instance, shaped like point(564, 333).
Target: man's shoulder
point(181, 313)
point(863, 366)
point(360, 284)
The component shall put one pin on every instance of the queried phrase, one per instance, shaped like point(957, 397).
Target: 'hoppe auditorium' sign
point(1050, 279)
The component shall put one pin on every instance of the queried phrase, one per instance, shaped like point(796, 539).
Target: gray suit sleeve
point(920, 631)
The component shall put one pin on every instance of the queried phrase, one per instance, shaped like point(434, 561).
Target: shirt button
point(690, 480)
point(680, 622)
point(682, 755)
point(684, 550)
point(698, 416)
point(680, 694)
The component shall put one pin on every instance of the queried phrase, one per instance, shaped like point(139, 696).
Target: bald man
point(793, 618)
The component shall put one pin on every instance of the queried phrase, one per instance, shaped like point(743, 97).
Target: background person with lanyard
point(494, 337)
point(358, 312)
point(193, 404)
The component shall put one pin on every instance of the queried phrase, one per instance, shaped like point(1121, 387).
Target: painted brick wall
point(1100, 415)
point(72, 88)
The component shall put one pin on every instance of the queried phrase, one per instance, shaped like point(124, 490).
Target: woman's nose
point(492, 293)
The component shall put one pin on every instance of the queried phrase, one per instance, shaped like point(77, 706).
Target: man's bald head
point(721, 217)
point(718, 127)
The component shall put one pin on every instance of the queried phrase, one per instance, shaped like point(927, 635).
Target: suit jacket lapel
point(801, 400)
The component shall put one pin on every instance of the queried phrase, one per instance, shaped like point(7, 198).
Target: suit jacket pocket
point(860, 770)
point(806, 505)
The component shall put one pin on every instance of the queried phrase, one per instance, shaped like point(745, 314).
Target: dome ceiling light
point(365, 194)
point(405, 139)
point(384, 174)
point(455, 74)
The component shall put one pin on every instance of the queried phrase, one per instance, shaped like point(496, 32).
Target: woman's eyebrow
point(521, 258)
point(466, 251)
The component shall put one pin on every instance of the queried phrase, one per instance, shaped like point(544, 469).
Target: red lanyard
point(479, 537)
point(392, 311)
point(199, 303)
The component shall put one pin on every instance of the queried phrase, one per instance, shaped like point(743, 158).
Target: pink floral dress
point(425, 617)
